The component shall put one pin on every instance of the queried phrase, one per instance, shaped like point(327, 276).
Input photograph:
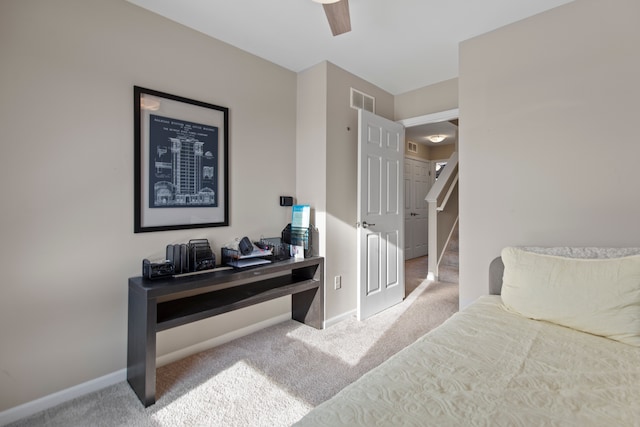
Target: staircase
point(442, 201)
point(448, 268)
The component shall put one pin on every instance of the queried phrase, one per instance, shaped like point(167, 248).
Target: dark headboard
point(496, 270)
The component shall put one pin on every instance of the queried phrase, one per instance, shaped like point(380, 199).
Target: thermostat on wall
point(286, 201)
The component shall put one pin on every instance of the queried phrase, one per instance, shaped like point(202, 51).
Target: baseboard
point(62, 396)
point(339, 318)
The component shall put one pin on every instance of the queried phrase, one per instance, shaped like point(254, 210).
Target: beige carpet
point(415, 270)
point(270, 378)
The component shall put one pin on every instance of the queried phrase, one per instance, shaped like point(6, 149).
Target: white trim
point(337, 319)
point(431, 118)
point(418, 159)
point(30, 408)
point(62, 396)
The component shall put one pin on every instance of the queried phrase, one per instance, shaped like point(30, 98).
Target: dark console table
point(156, 305)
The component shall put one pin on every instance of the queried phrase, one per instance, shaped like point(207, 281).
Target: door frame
point(430, 118)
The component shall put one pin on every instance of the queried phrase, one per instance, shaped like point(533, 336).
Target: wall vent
point(362, 100)
point(412, 147)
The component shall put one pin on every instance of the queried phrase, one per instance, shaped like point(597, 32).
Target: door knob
point(365, 224)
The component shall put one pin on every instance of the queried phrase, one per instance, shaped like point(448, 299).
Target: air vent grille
point(363, 101)
point(412, 147)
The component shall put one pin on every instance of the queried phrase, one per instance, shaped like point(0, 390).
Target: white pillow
point(598, 296)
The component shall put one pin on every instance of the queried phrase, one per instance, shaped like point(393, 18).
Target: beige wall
point(66, 88)
point(430, 99)
point(328, 174)
point(422, 154)
point(425, 152)
point(441, 152)
point(562, 82)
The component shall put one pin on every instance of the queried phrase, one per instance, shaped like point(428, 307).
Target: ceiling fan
point(337, 12)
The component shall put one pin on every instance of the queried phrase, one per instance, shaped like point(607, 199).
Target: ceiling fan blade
point(338, 16)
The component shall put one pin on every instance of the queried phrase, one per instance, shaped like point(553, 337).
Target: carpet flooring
point(270, 378)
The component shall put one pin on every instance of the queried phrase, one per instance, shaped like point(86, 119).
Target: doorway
point(435, 154)
point(442, 128)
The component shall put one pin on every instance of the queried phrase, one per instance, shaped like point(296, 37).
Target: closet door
point(417, 182)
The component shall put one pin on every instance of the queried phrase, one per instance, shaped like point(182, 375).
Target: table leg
point(141, 348)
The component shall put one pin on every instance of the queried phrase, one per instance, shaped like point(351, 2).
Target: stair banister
point(443, 213)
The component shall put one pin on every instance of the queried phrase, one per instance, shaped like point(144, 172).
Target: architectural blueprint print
point(183, 169)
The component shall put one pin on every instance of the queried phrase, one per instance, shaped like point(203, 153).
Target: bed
point(557, 342)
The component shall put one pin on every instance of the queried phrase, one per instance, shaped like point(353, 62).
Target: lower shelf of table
point(186, 310)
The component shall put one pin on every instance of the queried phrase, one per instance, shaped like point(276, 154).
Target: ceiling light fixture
point(436, 138)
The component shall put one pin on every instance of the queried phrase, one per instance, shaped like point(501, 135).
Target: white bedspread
point(488, 367)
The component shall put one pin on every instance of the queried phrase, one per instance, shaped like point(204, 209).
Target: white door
point(380, 214)
point(417, 184)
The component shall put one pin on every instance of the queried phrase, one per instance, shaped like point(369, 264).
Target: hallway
point(416, 270)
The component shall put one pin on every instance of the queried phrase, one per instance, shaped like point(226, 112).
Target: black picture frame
point(181, 162)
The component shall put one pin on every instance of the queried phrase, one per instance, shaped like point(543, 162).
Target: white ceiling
point(397, 45)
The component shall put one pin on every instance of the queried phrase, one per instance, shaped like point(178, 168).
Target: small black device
point(286, 201)
point(154, 270)
point(245, 246)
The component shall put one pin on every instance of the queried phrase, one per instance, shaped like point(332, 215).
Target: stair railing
point(442, 201)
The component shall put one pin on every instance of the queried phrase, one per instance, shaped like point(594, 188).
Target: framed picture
point(181, 176)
